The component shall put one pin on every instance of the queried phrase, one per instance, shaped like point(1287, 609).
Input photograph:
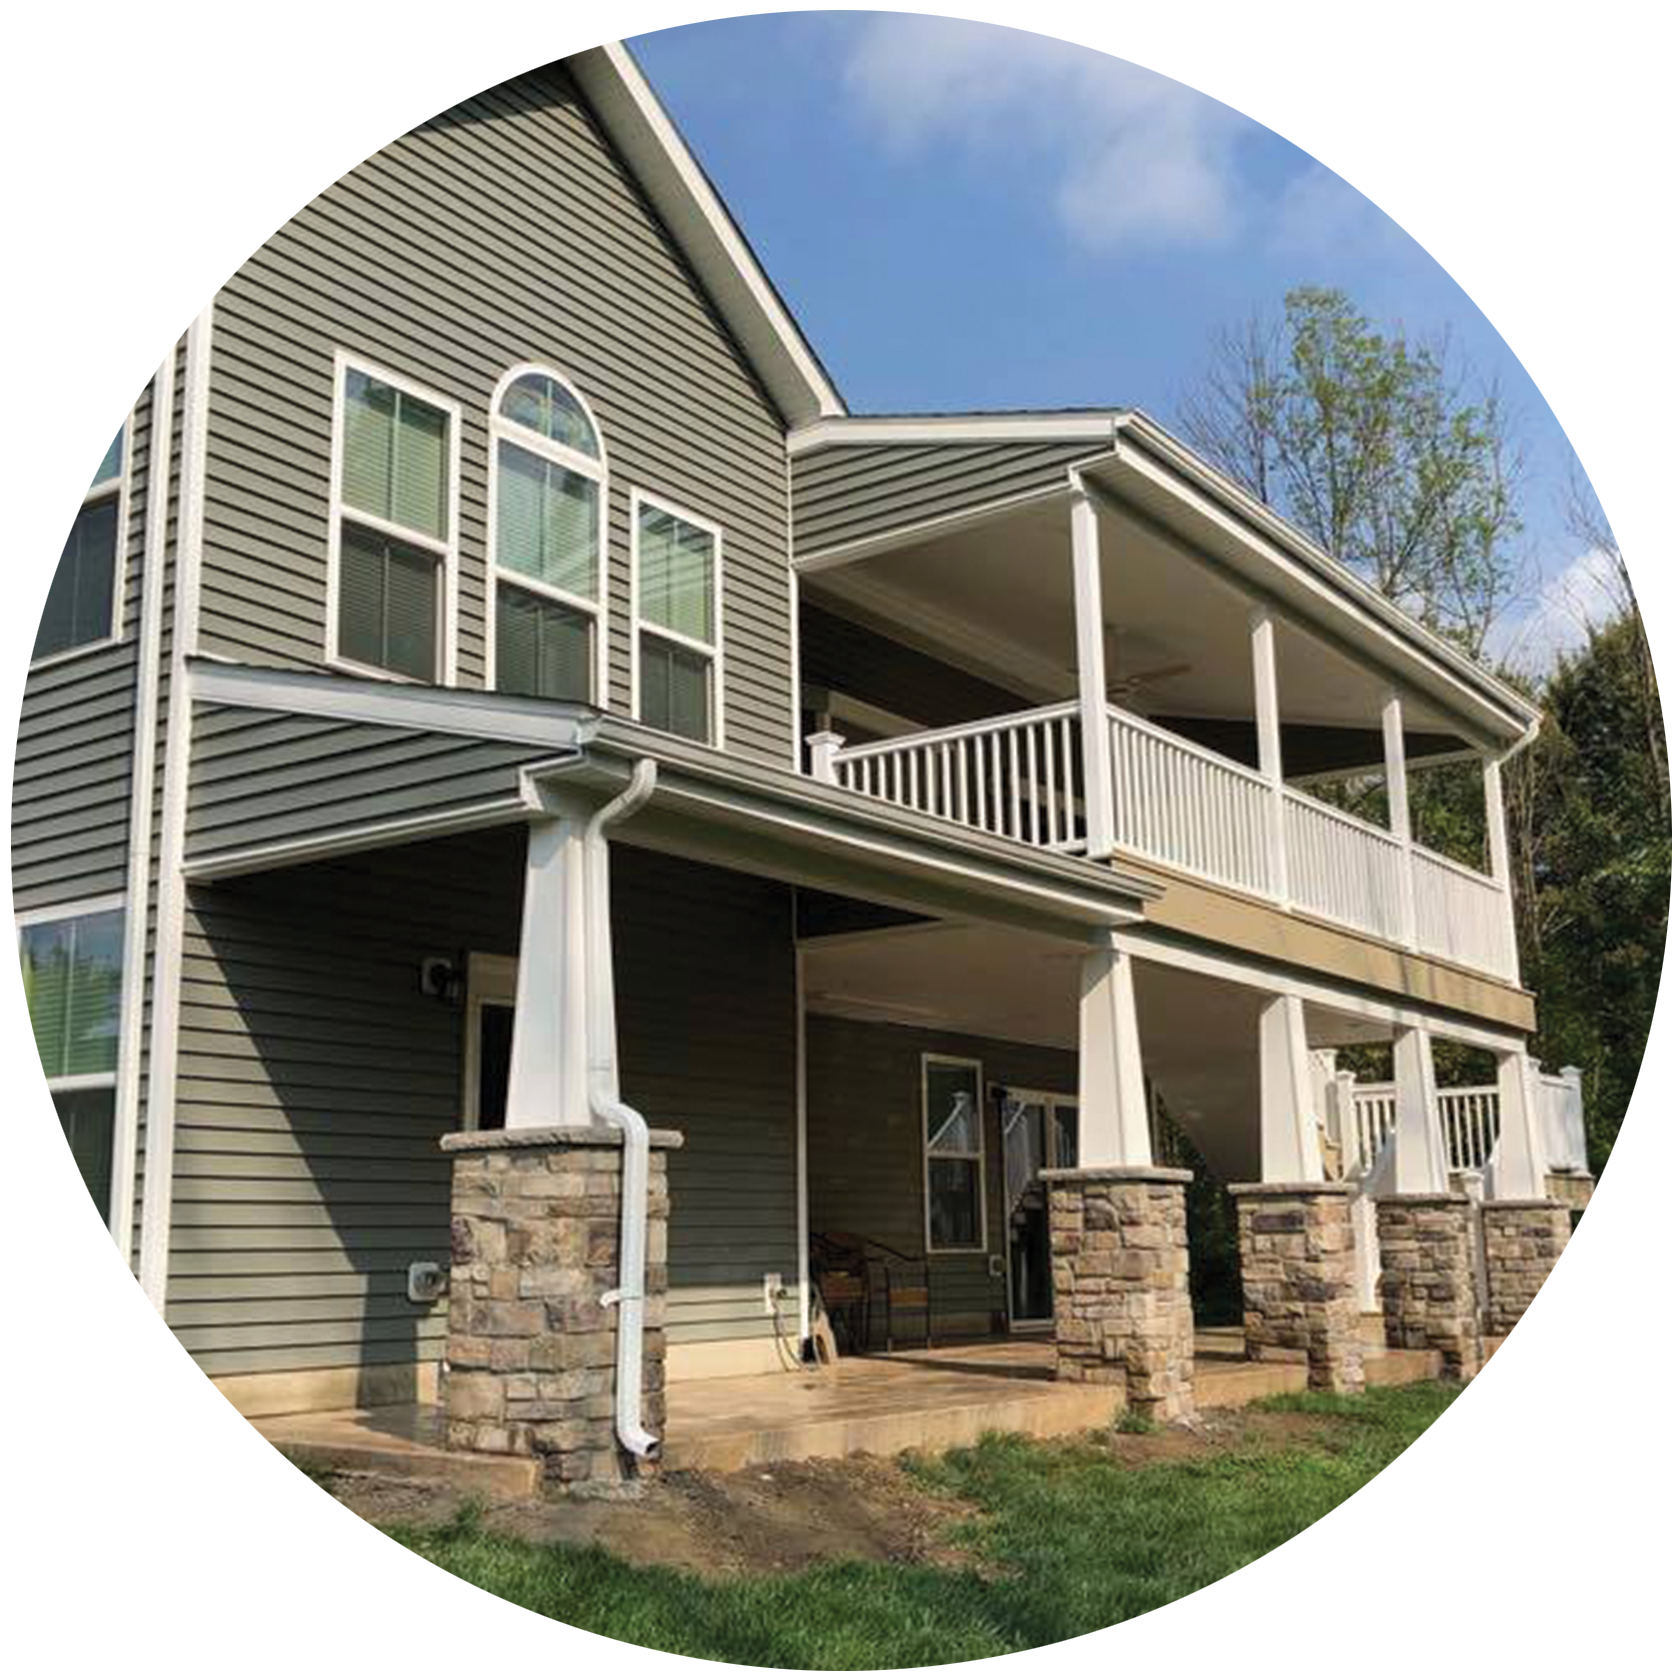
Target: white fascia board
point(1094, 426)
point(690, 206)
point(1163, 457)
point(395, 705)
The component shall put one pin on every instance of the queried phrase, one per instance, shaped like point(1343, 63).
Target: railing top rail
point(1348, 820)
point(1427, 855)
point(1182, 744)
point(956, 732)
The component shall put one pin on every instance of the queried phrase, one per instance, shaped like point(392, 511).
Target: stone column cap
point(1492, 1202)
point(551, 1137)
point(1306, 1187)
point(1423, 1198)
point(1116, 1175)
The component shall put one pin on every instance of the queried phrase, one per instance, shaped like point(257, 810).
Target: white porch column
point(1289, 1151)
point(1517, 1167)
point(1269, 733)
point(1400, 809)
point(1113, 1103)
point(548, 1074)
point(1420, 1152)
point(1499, 854)
point(1093, 678)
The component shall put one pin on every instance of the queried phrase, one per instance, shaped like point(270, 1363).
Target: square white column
point(1113, 1101)
point(1420, 1152)
point(1289, 1148)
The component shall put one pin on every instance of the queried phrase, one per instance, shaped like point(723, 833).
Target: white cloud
point(1143, 110)
point(1558, 617)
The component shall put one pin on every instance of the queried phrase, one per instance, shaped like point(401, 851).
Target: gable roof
point(708, 235)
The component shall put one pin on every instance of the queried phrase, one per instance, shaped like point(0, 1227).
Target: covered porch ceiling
point(995, 596)
point(1200, 1034)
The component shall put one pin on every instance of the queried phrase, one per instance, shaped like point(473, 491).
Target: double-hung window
point(954, 1153)
point(677, 561)
point(81, 608)
point(549, 540)
point(392, 561)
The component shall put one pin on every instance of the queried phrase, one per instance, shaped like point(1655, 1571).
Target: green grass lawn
point(1066, 1540)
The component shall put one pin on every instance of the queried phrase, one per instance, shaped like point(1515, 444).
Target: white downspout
point(605, 1106)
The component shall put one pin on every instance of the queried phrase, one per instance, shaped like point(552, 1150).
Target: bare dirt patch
point(781, 1518)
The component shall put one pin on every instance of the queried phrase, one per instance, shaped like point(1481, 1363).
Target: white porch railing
point(1017, 777)
point(1469, 1116)
point(1189, 808)
point(1179, 804)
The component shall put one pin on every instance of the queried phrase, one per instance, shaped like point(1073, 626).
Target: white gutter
point(605, 1105)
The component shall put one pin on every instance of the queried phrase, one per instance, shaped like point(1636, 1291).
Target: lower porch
point(922, 1399)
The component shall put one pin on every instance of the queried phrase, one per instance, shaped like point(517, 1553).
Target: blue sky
point(969, 217)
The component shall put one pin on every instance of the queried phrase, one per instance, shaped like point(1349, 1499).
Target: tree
point(1376, 448)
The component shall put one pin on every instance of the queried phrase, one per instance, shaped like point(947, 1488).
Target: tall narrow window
point(677, 563)
point(955, 1155)
point(81, 608)
point(68, 992)
point(549, 543)
point(394, 527)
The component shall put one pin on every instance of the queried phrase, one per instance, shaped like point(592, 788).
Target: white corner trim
point(598, 471)
point(447, 550)
point(148, 672)
point(1080, 426)
point(801, 1133)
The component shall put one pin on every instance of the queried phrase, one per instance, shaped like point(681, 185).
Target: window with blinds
point(954, 1153)
point(81, 609)
point(549, 491)
point(394, 535)
point(677, 566)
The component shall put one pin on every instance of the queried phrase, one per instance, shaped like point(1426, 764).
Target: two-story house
point(531, 820)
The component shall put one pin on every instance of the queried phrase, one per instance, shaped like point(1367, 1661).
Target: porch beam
point(1113, 1101)
point(1289, 1149)
point(1093, 676)
point(1517, 1163)
point(1420, 1155)
point(1268, 730)
point(548, 1073)
point(1400, 810)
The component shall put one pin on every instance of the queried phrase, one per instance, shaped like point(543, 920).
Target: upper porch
point(1112, 652)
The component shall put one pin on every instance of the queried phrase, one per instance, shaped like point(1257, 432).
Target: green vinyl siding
point(315, 1082)
point(864, 1125)
point(504, 231)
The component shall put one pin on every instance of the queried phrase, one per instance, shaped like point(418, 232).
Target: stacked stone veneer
point(532, 1349)
point(1120, 1260)
point(1298, 1277)
point(1427, 1282)
point(1522, 1241)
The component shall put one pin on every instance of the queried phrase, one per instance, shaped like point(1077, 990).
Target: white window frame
point(490, 979)
point(931, 1059)
point(447, 550)
point(713, 651)
point(121, 486)
point(573, 460)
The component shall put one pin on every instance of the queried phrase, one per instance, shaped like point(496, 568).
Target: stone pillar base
point(1522, 1242)
point(1120, 1260)
point(531, 1364)
point(1427, 1283)
point(1299, 1279)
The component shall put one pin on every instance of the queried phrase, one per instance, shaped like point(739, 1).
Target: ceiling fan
point(1123, 688)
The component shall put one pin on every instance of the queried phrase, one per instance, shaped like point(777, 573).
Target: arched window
point(547, 540)
point(82, 604)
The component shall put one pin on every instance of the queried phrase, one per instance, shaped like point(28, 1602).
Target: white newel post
point(548, 1073)
point(1113, 1101)
point(1268, 730)
point(1289, 1149)
point(1400, 810)
point(1420, 1152)
point(1517, 1166)
point(824, 745)
point(1499, 855)
point(1093, 678)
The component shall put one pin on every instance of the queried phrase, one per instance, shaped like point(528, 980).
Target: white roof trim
point(690, 207)
point(1087, 426)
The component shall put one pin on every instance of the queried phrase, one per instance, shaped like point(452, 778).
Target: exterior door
point(1039, 1129)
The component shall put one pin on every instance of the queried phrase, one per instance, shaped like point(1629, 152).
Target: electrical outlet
point(772, 1291)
